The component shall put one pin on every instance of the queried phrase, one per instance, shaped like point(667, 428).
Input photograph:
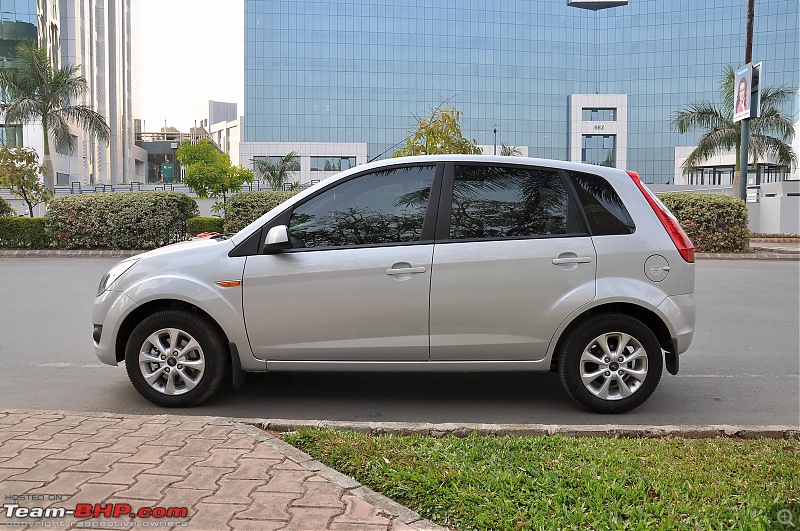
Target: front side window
point(382, 207)
point(507, 202)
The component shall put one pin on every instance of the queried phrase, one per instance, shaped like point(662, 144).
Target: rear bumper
point(679, 314)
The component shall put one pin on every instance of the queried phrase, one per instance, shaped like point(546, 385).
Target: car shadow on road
point(406, 397)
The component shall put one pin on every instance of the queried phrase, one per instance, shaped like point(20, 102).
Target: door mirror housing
point(277, 239)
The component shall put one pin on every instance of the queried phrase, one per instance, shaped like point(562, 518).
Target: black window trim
point(575, 203)
point(428, 225)
point(576, 219)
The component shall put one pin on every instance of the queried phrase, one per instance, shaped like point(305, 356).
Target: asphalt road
point(743, 366)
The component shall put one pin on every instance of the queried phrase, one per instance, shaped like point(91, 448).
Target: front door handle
point(572, 260)
point(405, 270)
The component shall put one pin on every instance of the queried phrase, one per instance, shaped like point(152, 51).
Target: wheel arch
point(149, 308)
point(647, 316)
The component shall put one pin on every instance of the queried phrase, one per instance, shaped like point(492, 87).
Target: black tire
point(619, 387)
point(205, 362)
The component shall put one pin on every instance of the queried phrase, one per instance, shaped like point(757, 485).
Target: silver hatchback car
point(435, 263)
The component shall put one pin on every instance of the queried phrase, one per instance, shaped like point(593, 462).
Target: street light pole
point(494, 127)
point(744, 148)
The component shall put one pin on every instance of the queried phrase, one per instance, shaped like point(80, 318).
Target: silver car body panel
point(501, 300)
point(187, 273)
point(110, 309)
point(678, 312)
point(339, 304)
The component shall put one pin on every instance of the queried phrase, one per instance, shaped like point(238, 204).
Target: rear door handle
point(572, 260)
point(405, 270)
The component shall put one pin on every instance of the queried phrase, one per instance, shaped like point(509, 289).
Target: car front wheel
point(611, 363)
point(175, 358)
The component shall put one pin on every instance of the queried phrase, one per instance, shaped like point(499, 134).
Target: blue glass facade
point(360, 70)
point(17, 24)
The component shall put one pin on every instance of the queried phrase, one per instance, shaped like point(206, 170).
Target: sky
point(187, 52)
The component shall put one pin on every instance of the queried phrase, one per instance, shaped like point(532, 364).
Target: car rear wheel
point(611, 363)
point(176, 358)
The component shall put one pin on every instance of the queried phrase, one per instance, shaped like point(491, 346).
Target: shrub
point(119, 220)
point(22, 233)
point(715, 223)
point(5, 208)
point(244, 208)
point(198, 225)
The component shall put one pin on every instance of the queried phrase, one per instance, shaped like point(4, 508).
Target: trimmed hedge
point(22, 233)
point(715, 223)
point(244, 208)
point(119, 220)
point(199, 225)
point(6, 208)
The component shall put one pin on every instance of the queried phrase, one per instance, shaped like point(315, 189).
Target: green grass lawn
point(561, 482)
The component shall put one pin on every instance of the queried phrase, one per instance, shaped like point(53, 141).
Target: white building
point(221, 122)
point(96, 36)
point(315, 161)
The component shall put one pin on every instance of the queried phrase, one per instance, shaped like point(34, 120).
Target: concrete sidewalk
point(227, 475)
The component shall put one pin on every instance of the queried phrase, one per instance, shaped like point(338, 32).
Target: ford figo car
point(434, 263)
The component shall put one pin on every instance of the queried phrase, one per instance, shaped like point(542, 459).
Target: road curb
point(639, 431)
point(67, 253)
point(774, 240)
point(430, 429)
point(748, 256)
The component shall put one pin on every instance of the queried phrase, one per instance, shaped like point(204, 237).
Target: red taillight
point(679, 238)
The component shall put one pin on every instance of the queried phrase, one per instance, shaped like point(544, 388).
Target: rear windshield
point(603, 207)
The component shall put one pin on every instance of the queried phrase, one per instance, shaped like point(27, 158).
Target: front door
point(355, 284)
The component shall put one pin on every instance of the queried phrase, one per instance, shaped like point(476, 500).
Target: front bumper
point(108, 313)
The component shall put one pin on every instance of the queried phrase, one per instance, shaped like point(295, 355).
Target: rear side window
point(507, 202)
point(603, 207)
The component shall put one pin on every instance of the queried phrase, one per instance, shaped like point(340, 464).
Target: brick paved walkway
point(229, 475)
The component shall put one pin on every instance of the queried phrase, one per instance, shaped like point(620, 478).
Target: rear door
point(512, 261)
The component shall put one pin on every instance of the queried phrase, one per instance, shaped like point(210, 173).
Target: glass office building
point(360, 70)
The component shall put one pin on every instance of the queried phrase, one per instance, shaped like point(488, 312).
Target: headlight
point(113, 274)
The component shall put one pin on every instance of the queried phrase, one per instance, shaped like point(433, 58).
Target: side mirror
point(277, 239)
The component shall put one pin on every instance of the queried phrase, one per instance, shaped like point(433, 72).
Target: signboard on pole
point(741, 93)
point(747, 92)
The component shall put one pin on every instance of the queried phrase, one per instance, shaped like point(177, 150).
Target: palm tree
point(722, 134)
point(34, 92)
point(276, 173)
point(510, 151)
